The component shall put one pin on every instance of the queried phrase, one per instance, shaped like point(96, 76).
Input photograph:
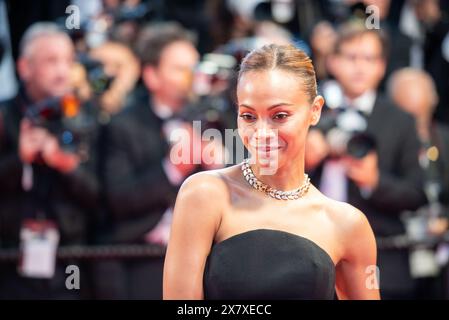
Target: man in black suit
point(415, 92)
point(387, 180)
point(40, 179)
point(140, 180)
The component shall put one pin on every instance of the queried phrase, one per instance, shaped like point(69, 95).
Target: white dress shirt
point(334, 182)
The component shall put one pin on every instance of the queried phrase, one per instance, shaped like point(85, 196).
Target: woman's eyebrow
point(269, 108)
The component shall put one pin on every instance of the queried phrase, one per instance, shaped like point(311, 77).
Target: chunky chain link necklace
point(274, 193)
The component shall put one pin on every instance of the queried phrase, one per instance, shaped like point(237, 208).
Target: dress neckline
point(245, 233)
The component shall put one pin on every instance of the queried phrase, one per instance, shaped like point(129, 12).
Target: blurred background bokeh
point(92, 90)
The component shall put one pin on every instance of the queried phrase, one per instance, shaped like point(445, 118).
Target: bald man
point(414, 91)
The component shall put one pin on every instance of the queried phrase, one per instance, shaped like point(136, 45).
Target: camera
point(213, 87)
point(345, 128)
point(345, 132)
point(65, 118)
point(214, 73)
point(139, 13)
point(99, 81)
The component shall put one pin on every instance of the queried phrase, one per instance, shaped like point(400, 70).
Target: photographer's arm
point(79, 179)
point(82, 184)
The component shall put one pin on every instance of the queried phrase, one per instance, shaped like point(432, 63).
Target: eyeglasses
point(352, 57)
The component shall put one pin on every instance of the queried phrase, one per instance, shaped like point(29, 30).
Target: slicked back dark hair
point(154, 38)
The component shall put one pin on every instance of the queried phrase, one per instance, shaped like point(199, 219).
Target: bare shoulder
point(212, 181)
point(204, 185)
point(353, 230)
point(209, 182)
point(347, 218)
point(203, 192)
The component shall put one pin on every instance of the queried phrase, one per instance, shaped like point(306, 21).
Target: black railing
point(96, 252)
point(152, 250)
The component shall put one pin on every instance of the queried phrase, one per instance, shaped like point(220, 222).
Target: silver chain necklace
point(274, 193)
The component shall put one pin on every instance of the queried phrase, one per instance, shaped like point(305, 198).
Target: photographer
point(49, 187)
point(414, 91)
point(123, 67)
point(140, 180)
point(380, 175)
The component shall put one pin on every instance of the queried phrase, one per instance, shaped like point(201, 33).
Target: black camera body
point(65, 118)
point(140, 13)
point(99, 81)
point(345, 132)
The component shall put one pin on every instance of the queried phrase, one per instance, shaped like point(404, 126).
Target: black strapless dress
point(268, 264)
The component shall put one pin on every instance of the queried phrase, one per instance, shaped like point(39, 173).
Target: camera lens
point(360, 144)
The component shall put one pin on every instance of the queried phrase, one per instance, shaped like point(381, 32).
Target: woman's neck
point(285, 178)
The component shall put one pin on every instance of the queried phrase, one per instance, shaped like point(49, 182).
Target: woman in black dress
point(260, 230)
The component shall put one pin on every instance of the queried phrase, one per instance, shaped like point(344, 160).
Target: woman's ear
point(317, 105)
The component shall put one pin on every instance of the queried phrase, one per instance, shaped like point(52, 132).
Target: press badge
point(38, 247)
point(423, 263)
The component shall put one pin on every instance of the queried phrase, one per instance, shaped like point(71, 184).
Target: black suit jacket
point(440, 139)
point(71, 200)
point(399, 188)
point(136, 187)
point(401, 178)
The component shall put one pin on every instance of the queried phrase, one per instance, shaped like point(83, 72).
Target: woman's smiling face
point(274, 114)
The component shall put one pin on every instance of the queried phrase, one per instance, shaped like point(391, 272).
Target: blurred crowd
point(91, 92)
